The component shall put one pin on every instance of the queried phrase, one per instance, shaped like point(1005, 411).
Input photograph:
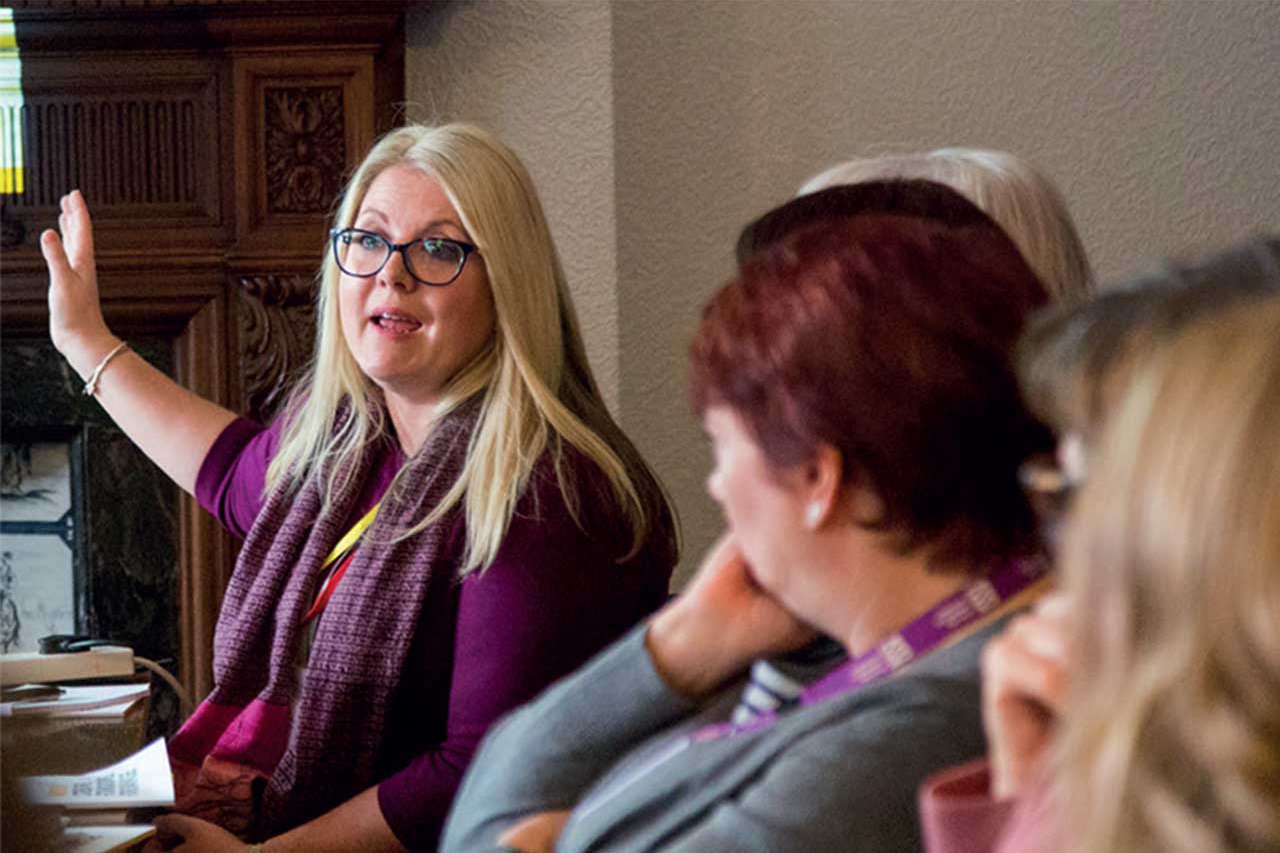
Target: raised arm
point(173, 426)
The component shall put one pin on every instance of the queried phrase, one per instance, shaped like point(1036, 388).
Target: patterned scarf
point(266, 750)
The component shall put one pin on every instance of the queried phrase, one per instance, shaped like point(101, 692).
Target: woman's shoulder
point(569, 502)
point(936, 697)
point(927, 717)
point(874, 747)
point(567, 488)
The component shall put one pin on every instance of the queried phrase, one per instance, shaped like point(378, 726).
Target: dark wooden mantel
point(211, 140)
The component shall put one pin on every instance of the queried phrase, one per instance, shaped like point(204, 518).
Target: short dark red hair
point(889, 338)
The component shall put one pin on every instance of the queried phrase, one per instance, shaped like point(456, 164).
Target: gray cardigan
point(609, 742)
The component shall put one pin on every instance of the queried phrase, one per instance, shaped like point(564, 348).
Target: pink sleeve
point(551, 600)
point(958, 813)
point(232, 477)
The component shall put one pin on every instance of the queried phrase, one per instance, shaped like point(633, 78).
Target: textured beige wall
point(540, 76)
point(1159, 120)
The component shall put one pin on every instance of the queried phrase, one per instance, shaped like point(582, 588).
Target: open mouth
point(399, 323)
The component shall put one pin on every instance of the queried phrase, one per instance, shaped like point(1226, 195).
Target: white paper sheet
point(141, 780)
point(77, 701)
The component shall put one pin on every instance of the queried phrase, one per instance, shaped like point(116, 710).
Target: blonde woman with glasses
point(444, 519)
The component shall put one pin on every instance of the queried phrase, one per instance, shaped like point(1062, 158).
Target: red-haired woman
point(857, 388)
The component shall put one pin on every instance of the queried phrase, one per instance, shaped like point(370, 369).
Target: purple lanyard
point(926, 632)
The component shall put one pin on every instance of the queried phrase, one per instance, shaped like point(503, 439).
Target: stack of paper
point(143, 780)
point(106, 701)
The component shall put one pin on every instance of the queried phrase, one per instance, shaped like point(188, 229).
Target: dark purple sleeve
point(234, 471)
point(551, 600)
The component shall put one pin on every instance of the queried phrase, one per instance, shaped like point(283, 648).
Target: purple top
point(552, 598)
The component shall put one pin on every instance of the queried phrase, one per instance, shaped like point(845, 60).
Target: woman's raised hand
point(170, 424)
point(76, 325)
point(720, 624)
point(1024, 683)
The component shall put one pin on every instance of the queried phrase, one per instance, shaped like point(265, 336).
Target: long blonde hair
point(1013, 192)
point(1171, 735)
point(537, 388)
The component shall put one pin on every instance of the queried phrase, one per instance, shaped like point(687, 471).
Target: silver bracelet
point(91, 385)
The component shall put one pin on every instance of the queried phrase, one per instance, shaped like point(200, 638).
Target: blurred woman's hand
point(76, 325)
point(188, 834)
point(1024, 683)
point(537, 833)
point(721, 623)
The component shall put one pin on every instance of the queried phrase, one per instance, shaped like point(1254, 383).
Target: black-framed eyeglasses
point(434, 261)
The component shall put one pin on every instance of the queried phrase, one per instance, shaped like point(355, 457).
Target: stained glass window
point(10, 107)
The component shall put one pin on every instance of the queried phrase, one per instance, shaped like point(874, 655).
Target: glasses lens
point(359, 252)
point(436, 261)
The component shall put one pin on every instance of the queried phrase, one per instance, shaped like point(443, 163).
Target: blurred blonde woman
point(443, 521)
point(1172, 738)
point(1138, 710)
point(1012, 191)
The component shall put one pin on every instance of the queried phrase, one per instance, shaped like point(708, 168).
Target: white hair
point(1020, 198)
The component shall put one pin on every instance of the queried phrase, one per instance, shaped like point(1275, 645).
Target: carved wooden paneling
point(305, 148)
point(207, 551)
point(143, 148)
point(302, 128)
point(277, 333)
point(12, 232)
point(83, 141)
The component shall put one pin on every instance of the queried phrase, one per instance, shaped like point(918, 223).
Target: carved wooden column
point(277, 318)
point(211, 140)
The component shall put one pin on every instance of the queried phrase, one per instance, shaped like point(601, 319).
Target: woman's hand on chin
point(537, 833)
point(1024, 684)
point(721, 623)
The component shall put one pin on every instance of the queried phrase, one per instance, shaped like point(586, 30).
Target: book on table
point(105, 798)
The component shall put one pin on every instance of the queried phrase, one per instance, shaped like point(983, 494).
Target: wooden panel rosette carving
point(305, 149)
point(301, 129)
